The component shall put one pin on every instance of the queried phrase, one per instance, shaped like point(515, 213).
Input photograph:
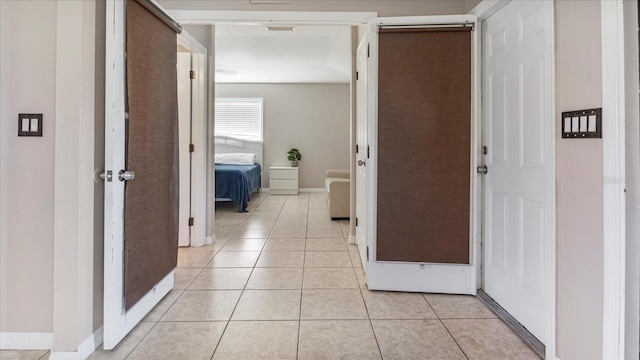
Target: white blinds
point(240, 118)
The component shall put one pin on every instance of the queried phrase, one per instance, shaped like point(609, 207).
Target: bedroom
point(298, 83)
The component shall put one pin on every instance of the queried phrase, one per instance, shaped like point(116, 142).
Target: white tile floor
point(281, 282)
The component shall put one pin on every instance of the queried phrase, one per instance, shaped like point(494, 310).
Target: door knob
point(126, 175)
point(362, 163)
point(482, 169)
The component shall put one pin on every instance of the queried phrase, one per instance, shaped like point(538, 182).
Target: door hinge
point(485, 150)
point(367, 151)
point(367, 253)
point(190, 221)
point(192, 74)
point(357, 148)
point(191, 148)
point(357, 75)
point(356, 221)
point(368, 50)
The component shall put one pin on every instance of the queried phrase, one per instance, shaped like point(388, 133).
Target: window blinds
point(241, 118)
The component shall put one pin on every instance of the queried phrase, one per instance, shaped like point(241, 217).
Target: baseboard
point(86, 348)
point(90, 344)
point(210, 239)
point(310, 190)
point(26, 341)
point(352, 239)
point(60, 355)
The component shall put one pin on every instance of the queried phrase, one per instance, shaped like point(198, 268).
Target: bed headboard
point(227, 144)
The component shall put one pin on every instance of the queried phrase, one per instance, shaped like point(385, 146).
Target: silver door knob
point(482, 169)
point(362, 163)
point(126, 175)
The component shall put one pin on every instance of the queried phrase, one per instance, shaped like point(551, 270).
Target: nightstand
point(283, 180)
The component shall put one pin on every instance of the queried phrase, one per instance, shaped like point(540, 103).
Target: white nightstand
point(283, 180)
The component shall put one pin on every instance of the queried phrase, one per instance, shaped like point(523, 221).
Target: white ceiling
point(310, 54)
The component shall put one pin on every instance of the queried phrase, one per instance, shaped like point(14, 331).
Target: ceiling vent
point(280, 28)
point(270, 1)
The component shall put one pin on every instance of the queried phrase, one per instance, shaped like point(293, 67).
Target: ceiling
point(309, 54)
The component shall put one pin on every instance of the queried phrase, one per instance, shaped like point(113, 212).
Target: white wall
point(51, 232)
point(28, 85)
point(579, 184)
point(315, 118)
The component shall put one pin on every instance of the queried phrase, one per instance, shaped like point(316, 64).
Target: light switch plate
point(584, 124)
point(29, 124)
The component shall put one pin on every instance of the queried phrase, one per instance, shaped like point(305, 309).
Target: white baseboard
point(310, 190)
point(352, 239)
point(26, 341)
point(210, 239)
point(60, 355)
point(88, 346)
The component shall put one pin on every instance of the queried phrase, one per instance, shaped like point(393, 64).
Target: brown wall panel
point(151, 199)
point(424, 139)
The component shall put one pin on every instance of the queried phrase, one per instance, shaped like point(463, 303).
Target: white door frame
point(484, 10)
point(198, 137)
point(614, 175)
point(213, 17)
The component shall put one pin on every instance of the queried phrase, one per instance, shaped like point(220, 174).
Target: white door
point(518, 130)
point(361, 155)
point(184, 118)
point(459, 278)
point(118, 322)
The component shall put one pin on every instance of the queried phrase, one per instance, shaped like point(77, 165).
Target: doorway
point(288, 18)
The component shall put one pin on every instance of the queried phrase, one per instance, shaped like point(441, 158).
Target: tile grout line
point(445, 327)
point(241, 293)
point(368, 314)
point(304, 259)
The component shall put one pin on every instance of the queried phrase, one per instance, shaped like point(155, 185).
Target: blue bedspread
point(237, 182)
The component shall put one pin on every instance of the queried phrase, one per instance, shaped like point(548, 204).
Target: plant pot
point(294, 163)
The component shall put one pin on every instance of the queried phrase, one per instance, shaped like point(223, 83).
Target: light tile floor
point(282, 282)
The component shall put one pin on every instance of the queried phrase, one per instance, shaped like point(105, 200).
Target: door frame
point(484, 10)
point(118, 322)
point(217, 17)
point(198, 137)
point(614, 174)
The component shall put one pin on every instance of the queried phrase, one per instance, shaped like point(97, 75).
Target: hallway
point(282, 282)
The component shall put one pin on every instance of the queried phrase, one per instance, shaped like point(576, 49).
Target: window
point(241, 118)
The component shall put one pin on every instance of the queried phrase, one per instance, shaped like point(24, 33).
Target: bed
point(235, 182)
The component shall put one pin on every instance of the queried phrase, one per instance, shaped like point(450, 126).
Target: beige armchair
point(338, 197)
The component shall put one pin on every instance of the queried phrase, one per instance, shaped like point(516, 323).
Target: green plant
point(294, 154)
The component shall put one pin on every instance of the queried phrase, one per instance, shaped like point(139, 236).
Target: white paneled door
point(518, 133)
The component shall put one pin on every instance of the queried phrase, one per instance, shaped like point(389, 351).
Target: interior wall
point(28, 85)
point(470, 4)
point(383, 8)
point(579, 184)
point(314, 118)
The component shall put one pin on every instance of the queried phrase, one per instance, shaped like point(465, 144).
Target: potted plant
point(293, 156)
